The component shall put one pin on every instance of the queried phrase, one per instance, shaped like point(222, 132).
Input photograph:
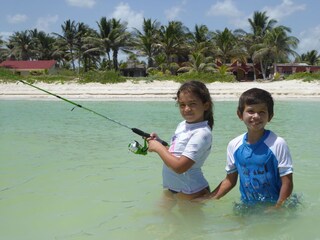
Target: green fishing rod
point(134, 147)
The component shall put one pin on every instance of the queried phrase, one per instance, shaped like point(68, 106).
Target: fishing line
point(135, 130)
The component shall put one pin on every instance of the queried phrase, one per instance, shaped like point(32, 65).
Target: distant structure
point(291, 68)
point(30, 67)
point(245, 71)
point(133, 69)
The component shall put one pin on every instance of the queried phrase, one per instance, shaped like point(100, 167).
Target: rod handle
point(147, 135)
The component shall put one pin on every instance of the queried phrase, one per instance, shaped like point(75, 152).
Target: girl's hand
point(154, 145)
point(153, 135)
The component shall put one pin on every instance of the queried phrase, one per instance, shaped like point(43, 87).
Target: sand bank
point(156, 90)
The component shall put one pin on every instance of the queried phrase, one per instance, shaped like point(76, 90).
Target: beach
point(156, 90)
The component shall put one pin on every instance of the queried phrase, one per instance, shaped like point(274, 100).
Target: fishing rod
point(132, 146)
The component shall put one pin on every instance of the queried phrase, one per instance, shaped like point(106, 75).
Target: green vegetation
point(305, 76)
point(101, 77)
point(170, 51)
point(6, 76)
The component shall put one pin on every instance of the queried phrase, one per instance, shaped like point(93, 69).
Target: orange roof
point(28, 65)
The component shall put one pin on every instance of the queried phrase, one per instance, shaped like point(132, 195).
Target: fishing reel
point(137, 148)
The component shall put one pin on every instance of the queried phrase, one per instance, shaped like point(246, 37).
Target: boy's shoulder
point(274, 138)
point(236, 142)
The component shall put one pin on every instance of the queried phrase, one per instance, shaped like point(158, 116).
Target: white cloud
point(174, 12)
point(309, 40)
point(82, 3)
point(230, 12)
point(224, 8)
point(286, 8)
point(125, 13)
point(17, 18)
point(44, 23)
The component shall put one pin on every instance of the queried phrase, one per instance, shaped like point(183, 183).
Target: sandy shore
point(156, 90)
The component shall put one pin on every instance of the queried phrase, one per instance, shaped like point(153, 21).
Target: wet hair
point(256, 96)
point(200, 90)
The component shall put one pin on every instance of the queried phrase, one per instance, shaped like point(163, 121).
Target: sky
point(302, 16)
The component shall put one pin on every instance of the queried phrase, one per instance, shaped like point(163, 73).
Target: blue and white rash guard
point(260, 166)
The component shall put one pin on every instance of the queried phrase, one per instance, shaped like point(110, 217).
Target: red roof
point(28, 65)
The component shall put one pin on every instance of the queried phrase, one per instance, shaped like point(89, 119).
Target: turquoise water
point(68, 174)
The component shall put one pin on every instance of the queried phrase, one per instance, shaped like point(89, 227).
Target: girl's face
point(255, 116)
point(191, 107)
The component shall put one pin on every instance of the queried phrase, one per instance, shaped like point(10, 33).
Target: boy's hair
point(201, 91)
point(256, 96)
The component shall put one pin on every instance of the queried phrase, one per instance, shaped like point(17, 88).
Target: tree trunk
point(115, 60)
point(262, 70)
point(254, 70)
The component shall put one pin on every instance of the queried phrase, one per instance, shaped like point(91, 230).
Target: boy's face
point(255, 116)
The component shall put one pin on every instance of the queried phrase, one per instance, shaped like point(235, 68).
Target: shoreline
point(156, 90)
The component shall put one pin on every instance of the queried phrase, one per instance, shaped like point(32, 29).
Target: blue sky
point(302, 16)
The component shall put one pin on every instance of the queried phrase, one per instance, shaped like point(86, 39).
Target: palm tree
point(4, 51)
point(198, 63)
point(260, 24)
point(311, 57)
point(120, 39)
point(23, 46)
point(43, 44)
point(276, 47)
point(201, 38)
point(227, 46)
point(67, 41)
point(146, 40)
point(85, 55)
point(173, 42)
point(105, 29)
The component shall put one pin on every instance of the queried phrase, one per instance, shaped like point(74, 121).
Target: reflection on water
point(70, 175)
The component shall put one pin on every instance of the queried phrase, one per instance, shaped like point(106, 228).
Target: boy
point(260, 158)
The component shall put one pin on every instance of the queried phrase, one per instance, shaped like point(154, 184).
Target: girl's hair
point(256, 96)
point(200, 90)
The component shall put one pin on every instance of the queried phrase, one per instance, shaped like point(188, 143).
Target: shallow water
point(68, 174)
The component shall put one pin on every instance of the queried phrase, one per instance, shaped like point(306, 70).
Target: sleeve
point(230, 167)
point(284, 157)
point(198, 145)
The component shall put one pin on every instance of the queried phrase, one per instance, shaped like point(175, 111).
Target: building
point(243, 71)
point(30, 67)
point(133, 69)
point(291, 68)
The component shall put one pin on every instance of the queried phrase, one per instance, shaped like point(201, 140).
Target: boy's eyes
point(252, 112)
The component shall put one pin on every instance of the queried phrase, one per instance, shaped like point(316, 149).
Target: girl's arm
point(177, 164)
point(286, 189)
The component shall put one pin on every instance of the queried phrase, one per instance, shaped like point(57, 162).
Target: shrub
point(305, 76)
point(7, 75)
point(103, 77)
point(205, 77)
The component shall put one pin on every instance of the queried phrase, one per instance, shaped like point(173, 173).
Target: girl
point(190, 145)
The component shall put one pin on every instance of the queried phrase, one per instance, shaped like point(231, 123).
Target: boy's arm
point(286, 189)
point(225, 186)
